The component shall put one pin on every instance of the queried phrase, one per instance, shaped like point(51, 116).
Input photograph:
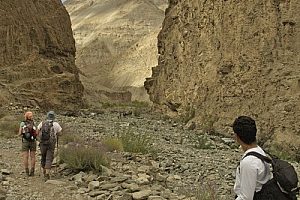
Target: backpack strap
point(258, 155)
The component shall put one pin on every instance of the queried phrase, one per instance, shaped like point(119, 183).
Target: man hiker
point(251, 173)
point(48, 132)
point(27, 131)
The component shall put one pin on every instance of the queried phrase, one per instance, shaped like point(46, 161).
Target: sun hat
point(51, 115)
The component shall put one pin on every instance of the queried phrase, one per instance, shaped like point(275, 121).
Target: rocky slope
point(222, 59)
point(183, 168)
point(37, 55)
point(116, 46)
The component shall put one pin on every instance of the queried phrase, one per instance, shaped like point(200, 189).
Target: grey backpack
point(283, 185)
point(47, 133)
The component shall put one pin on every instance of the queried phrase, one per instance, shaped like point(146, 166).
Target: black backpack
point(47, 135)
point(283, 185)
point(28, 130)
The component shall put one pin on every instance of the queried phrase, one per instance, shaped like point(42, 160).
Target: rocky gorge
point(217, 60)
point(187, 162)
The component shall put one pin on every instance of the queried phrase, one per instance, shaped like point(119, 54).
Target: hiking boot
point(27, 171)
point(31, 172)
point(46, 177)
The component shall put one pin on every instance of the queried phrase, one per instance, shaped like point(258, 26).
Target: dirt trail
point(19, 186)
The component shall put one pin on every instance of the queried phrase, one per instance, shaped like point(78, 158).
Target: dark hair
point(245, 128)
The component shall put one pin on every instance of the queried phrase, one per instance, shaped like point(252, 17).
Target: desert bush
point(84, 158)
point(206, 192)
point(113, 144)
point(203, 142)
point(135, 142)
point(203, 191)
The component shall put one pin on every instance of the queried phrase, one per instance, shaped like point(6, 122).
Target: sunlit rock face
point(116, 42)
point(219, 60)
point(37, 55)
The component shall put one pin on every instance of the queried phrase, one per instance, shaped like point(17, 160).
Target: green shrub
point(113, 144)
point(203, 142)
point(135, 143)
point(204, 191)
point(84, 158)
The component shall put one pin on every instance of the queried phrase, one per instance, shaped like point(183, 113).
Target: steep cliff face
point(221, 59)
point(37, 55)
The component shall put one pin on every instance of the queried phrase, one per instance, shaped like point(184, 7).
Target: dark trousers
point(47, 153)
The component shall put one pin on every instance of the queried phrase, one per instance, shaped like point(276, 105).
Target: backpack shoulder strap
point(258, 155)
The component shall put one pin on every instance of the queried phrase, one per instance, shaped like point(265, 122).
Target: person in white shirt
point(48, 132)
point(251, 173)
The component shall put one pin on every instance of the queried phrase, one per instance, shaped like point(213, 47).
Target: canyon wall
point(37, 55)
point(222, 59)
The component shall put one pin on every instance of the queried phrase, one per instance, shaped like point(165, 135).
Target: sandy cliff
point(37, 55)
point(222, 59)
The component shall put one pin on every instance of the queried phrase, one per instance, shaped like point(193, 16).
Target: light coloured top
point(56, 127)
point(251, 174)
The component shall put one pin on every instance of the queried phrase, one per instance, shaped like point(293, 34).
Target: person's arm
point(248, 180)
point(38, 129)
point(58, 129)
point(20, 129)
point(19, 132)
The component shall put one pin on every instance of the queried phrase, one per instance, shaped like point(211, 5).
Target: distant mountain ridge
point(116, 43)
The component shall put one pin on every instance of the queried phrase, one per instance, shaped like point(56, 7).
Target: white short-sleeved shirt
point(56, 127)
point(251, 174)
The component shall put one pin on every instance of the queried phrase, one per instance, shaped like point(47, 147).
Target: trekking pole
point(56, 165)
point(40, 161)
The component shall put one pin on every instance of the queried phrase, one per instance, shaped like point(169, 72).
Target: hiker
point(27, 131)
point(48, 132)
point(251, 173)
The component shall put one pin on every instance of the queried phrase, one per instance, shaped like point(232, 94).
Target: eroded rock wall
point(222, 59)
point(37, 55)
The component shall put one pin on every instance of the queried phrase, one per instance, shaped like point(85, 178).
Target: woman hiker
point(27, 131)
